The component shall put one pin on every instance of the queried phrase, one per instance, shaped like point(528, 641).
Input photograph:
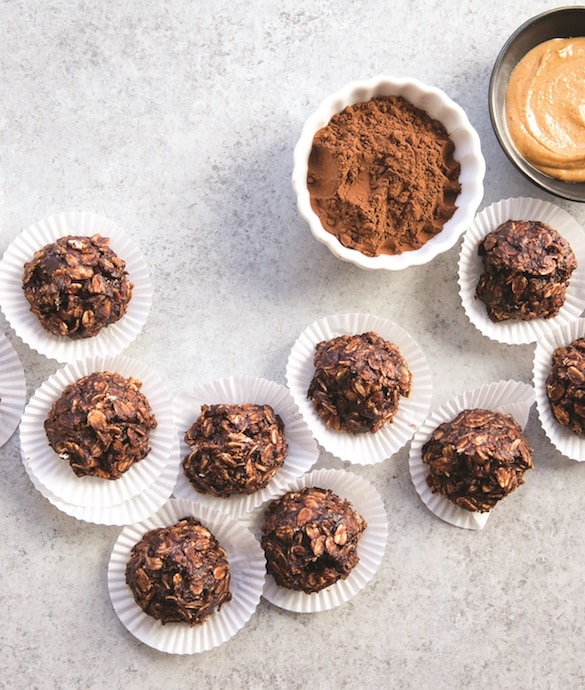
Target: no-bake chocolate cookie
point(477, 459)
point(527, 267)
point(76, 286)
point(565, 386)
point(235, 449)
point(101, 424)
point(310, 539)
point(179, 574)
point(358, 382)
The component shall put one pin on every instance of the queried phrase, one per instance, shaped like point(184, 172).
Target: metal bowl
point(563, 22)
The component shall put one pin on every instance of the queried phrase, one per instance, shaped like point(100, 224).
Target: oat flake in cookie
point(310, 539)
point(565, 386)
point(235, 449)
point(76, 286)
point(101, 424)
point(358, 382)
point(477, 459)
point(527, 267)
point(179, 574)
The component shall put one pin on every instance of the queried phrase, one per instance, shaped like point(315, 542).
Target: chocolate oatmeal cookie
point(235, 449)
point(358, 382)
point(77, 286)
point(310, 539)
point(527, 266)
point(477, 458)
point(101, 424)
point(179, 574)
point(565, 386)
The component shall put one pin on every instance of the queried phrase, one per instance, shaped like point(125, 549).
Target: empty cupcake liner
point(566, 441)
point(56, 476)
point(12, 389)
point(371, 546)
point(509, 397)
point(302, 448)
point(110, 340)
point(247, 568)
point(366, 448)
point(516, 332)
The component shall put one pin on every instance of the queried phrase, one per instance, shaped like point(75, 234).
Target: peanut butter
point(545, 108)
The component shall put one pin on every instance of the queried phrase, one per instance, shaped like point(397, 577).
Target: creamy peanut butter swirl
point(545, 108)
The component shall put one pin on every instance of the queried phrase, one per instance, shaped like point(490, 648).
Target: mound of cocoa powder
point(382, 177)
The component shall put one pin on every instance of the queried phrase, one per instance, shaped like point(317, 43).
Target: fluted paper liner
point(110, 340)
point(12, 389)
point(302, 448)
point(135, 509)
point(515, 331)
point(566, 441)
point(366, 448)
point(56, 475)
point(371, 546)
point(509, 397)
point(247, 568)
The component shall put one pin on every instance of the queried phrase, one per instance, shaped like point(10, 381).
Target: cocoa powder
point(382, 177)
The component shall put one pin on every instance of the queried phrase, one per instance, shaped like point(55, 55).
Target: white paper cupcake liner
point(12, 389)
point(247, 567)
point(371, 546)
point(56, 475)
point(110, 340)
point(566, 441)
point(133, 510)
point(516, 332)
point(366, 448)
point(302, 448)
point(509, 397)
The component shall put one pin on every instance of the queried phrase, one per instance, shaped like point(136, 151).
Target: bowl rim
point(554, 186)
point(357, 91)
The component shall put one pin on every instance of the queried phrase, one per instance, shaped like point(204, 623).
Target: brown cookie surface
point(101, 424)
point(234, 449)
point(358, 382)
point(179, 574)
point(565, 386)
point(310, 539)
point(76, 286)
point(527, 267)
point(477, 458)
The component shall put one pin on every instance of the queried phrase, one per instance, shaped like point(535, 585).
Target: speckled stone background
point(177, 119)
